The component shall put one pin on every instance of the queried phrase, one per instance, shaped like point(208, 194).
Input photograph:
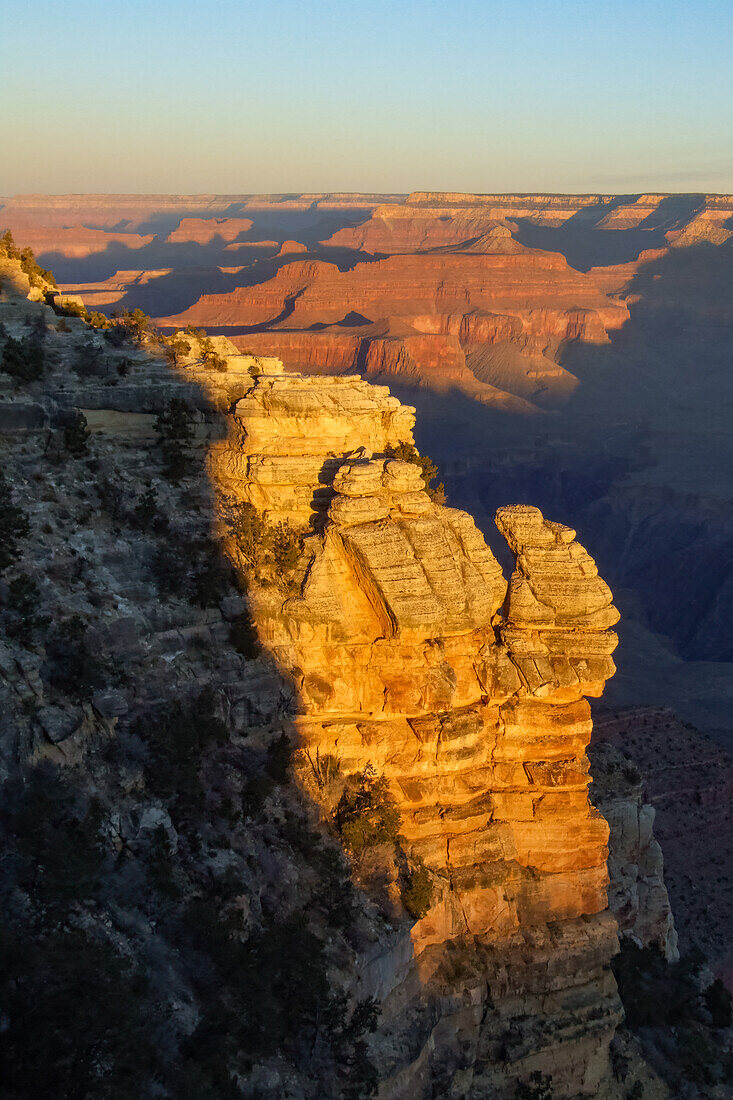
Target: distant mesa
point(205, 230)
point(289, 248)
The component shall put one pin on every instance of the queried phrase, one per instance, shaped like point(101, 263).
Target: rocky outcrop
point(409, 653)
point(688, 779)
point(637, 894)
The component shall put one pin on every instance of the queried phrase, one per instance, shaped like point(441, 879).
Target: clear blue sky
point(183, 96)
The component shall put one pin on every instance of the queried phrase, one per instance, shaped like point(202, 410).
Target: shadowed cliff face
point(412, 656)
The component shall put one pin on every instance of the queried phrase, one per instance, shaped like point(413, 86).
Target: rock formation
point(488, 320)
point(688, 780)
point(409, 653)
point(637, 895)
point(205, 230)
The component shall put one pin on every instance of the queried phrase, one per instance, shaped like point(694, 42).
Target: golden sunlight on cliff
point(414, 658)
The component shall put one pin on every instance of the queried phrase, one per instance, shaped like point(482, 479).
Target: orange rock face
point(73, 241)
point(443, 319)
point(412, 654)
point(205, 230)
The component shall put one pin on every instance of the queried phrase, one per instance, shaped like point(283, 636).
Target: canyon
point(402, 663)
point(454, 658)
point(565, 351)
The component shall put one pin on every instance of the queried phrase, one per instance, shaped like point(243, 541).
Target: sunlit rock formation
point(410, 653)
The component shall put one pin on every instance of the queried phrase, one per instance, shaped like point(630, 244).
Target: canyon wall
point(410, 654)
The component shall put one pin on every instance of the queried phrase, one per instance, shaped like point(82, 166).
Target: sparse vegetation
point(37, 275)
point(23, 359)
point(262, 548)
point(663, 999)
point(164, 884)
point(73, 666)
point(326, 768)
point(175, 430)
point(243, 636)
point(213, 578)
point(367, 814)
point(406, 452)
point(22, 603)
point(176, 739)
point(538, 1086)
point(210, 356)
point(14, 525)
point(177, 348)
point(76, 436)
point(147, 513)
point(417, 892)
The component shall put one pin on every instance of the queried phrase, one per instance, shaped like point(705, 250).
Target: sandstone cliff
point(410, 654)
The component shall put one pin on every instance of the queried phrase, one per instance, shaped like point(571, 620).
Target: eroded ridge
point(411, 653)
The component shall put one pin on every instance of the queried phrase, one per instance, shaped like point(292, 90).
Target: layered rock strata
point(410, 653)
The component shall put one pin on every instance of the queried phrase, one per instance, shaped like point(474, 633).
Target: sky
point(236, 97)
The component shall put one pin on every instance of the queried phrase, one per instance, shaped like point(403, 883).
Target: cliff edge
point(414, 659)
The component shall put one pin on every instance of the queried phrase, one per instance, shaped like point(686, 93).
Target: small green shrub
point(147, 514)
point(284, 547)
point(76, 436)
point(22, 619)
point(176, 347)
point(210, 356)
point(14, 526)
point(417, 893)
point(367, 814)
point(89, 363)
point(137, 323)
point(243, 636)
point(23, 359)
point(537, 1087)
point(176, 739)
point(170, 570)
point(406, 452)
point(98, 320)
point(213, 578)
point(718, 1003)
point(262, 548)
point(68, 308)
point(73, 666)
point(655, 992)
point(175, 431)
point(249, 532)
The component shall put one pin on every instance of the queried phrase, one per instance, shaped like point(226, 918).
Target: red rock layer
point(429, 315)
point(72, 241)
point(205, 230)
